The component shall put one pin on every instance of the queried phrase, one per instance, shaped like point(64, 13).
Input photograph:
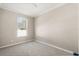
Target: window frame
point(25, 25)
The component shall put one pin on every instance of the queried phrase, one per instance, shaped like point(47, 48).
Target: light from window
point(21, 26)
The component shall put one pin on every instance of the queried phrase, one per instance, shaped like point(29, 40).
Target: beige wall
point(78, 28)
point(0, 23)
point(59, 27)
point(8, 28)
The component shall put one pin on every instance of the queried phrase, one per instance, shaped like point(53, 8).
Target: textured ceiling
point(30, 9)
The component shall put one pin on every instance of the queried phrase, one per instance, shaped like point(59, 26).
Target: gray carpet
point(32, 49)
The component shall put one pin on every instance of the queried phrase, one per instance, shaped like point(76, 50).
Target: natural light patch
point(21, 33)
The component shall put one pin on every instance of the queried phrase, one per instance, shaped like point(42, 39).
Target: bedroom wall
point(8, 28)
point(59, 27)
point(78, 28)
point(0, 23)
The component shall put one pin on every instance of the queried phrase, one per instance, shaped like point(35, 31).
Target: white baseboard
point(15, 44)
point(51, 45)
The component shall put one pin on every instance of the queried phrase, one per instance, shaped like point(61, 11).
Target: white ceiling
point(30, 9)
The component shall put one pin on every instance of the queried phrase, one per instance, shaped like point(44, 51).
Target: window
point(21, 26)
